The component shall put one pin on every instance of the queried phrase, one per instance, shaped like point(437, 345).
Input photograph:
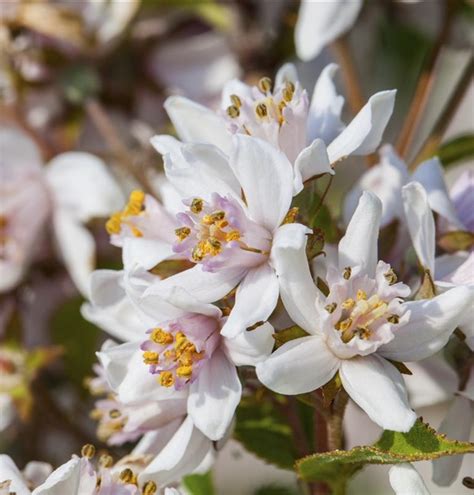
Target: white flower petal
point(456, 426)
point(182, 455)
point(7, 410)
point(154, 441)
point(286, 73)
point(320, 23)
point(82, 186)
point(299, 366)
point(419, 219)
point(9, 471)
point(214, 396)
point(363, 135)
point(405, 480)
point(105, 287)
point(255, 300)
point(312, 161)
point(359, 245)
point(195, 123)
point(249, 348)
point(431, 176)
point(268, 187)
point(146, 253)
point(430, 325)
point(205, 286)
point(235, 87)
point(77, 248)
point(324, 119)
point(297, 288)
point(378, 388)
point(65, 479)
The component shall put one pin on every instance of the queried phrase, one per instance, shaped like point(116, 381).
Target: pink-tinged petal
point(320, 23)
point(181, 456)
point(146, 253)
point(77, 249)
point(462, 196)
point(363, 135)
point(214, 396)
point(312, 161)
point(195, 123)
point(431, 176)
point(447, 265)
point(377, 387)
point(297, 288)
point(324, 121)
point(251, 347)
point(419, 219)
point(359, 245)
point(183, 300)
point(205, 286)
point(268, 188)
point(430, 325)
point(65, 479)
point(255, 300)
point(9, 471)
point(456, 426)
point(154, 441)
point(405, 480)
point(299, 366)
point(82, 186)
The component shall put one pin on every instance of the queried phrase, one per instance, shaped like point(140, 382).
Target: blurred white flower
point(405, 480)
point(361, 324)
point(71, 189)
point(321, 22)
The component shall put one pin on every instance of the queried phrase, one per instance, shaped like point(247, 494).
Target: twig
point(335, 431)
point(107, 130)
point(424, 86)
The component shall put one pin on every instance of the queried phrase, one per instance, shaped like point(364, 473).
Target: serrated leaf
point(421, 443)
point(291, 333)
point(264, 432)
point(457, 149)
point(458, 240)
point(199, 484)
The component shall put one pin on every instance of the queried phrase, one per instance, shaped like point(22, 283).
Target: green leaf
point(283, 336)
point(421, 443)
point(199, 484)
point(458, 240)
point(263, 431)
point(457, 149)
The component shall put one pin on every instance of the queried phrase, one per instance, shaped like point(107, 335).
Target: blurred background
point(93, 75)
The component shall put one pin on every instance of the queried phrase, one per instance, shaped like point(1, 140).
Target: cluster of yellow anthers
point(127, 476)
point(214, 232)
point(267, 107)
point(110, 422)
point(133, 208)
point(359, 314)
point(183, 355)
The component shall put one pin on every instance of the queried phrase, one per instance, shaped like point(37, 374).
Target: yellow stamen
point(233, 111)
point(182, 233)
point(390, 277)
point(150, 357)
point(233, 235)
point(348, 303)
point(196, 205)
point(394, 319)
point(261, 110)
point(236, 101)
point(149, 488)
point(128, 476)
point(159, 336)
point(347, 272)
point(291, 215)
point(166, 379)
point(106, 460)
point(344, 324)
point(88, 450)
point(184, 371)
point(265, 85)
point(330, 308)
point(115, 413)
point(361, 295)
point(114, 224)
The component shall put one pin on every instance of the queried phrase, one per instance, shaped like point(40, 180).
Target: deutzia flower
point(311, 134)
point(184, 355)
point(405, 480)
point(320, 23)
point(361, 324)
point(72, 188)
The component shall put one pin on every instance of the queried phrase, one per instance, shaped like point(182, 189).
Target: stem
point(107, 130)
point(355, 95)
point(424, 86)
point(335, 430)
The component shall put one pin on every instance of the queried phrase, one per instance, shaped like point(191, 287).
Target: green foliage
point(263, 431)
point(79, 339)
point(419, 444)
point(79, 82)
point(199, 484)
point(457, 149)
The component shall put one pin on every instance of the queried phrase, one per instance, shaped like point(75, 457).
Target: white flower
point(311, 134)
point(73, 188)
point(321, 22)
point(405, 480)
point(183, 355)
point(456, 425)
point(449, 270)
point(360, 325)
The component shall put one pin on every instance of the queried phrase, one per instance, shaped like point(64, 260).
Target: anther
point(196, 205)
point(289, 91)
point(361, 295)
point(233, 235)
point(128, 476)
point(394, 319)
point(330, 308)
point(236, 101)
point(106, 460)
point(115, 413)
point(184, 371)
point(233, 111)
point(150, 357)
point(149, 488)
point(166, 379)
point(88, 450)
point(390, 276)
point(348, 303)
point(159, 336)
point(182, 233)
point(261, 110)
point(347, 272)
point(344, 325)
point(265, 85)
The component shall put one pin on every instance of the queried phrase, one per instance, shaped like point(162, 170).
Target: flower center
point(133, 208)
